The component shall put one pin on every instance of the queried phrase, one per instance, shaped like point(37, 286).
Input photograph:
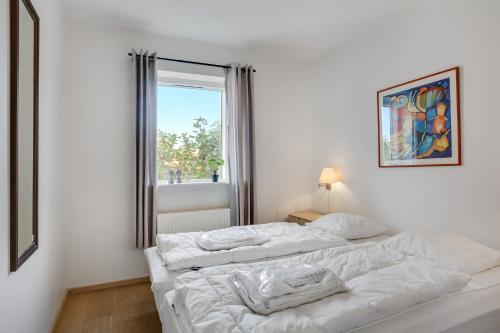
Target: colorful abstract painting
point(419, 123)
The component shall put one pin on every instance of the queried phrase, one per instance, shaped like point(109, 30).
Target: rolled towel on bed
point(270, 289)
point(230, 238)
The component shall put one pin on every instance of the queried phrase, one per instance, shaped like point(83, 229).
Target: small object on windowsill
point(214, 164)
point(178, 175)
point(303, 217)
point(171, 176)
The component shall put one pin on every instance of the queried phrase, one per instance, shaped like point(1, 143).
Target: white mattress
point(475, 309)
point(162, 280)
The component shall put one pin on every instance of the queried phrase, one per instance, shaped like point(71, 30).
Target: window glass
point(189, 122)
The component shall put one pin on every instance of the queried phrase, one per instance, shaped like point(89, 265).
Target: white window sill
point(193, 184)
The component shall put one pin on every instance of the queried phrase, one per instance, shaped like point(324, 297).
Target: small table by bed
point(303, 217)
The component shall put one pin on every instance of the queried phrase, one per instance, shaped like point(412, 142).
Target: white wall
point(432, 37)
point(30, 297)
point(98, 143)
point(187, 197)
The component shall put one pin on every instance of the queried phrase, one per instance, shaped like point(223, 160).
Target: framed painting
point(419, 122)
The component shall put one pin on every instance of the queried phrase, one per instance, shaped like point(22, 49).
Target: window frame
point(205, 82)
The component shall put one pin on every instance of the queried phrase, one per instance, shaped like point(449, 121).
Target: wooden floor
point(127, 309)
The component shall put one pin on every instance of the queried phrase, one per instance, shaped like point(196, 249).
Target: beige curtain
point(144, 81)
point(239, 115)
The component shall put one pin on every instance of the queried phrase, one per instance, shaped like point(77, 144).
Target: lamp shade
point(327, 176)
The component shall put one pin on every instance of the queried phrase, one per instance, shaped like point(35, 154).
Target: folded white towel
point(270, 289)
point(300, 275)
point(230, 238)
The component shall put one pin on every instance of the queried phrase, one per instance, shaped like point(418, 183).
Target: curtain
point(239, 115)
point(144, 81)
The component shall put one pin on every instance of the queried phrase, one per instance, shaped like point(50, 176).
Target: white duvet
point(381, 282)
point(181, 251)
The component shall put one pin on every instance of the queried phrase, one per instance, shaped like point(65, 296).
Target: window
point(190, 119)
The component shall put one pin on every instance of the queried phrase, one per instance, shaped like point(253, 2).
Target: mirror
point(24, 43)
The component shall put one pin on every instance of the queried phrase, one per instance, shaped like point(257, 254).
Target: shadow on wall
point(341, 199)
point(297, 204)
point(345, 197)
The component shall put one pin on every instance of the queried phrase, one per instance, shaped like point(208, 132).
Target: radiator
point(200, 220)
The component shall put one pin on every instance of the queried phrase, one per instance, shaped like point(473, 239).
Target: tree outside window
point(187, 146)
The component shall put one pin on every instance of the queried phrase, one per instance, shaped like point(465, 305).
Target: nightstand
point(303, 217)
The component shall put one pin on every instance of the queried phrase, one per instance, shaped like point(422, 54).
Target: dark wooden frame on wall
point(459, 134)
point(15, 260)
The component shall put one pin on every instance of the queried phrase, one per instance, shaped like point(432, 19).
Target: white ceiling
point(298, 29)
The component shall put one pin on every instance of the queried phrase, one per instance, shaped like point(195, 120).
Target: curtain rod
point(193, 62)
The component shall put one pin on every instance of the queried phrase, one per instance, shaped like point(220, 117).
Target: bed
point(404, 284)
point(475, 310)
point(162, 279)
point(181, 253)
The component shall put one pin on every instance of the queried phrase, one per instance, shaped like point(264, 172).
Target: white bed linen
point(474, 309)
point(180, 251)
point(382, 283)
point(349, 226)
point(448, 249)
point(230, 238)
point(162, 280)
point(375, 239)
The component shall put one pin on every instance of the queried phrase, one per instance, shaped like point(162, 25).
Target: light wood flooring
point(125, 309)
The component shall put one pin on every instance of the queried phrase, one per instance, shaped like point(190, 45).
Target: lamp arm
point(329, 202)
point(327, 186)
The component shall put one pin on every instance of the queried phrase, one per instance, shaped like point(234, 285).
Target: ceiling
point(298, 29)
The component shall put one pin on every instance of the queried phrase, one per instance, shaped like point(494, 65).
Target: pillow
point(447, 249)
point(349, 226)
